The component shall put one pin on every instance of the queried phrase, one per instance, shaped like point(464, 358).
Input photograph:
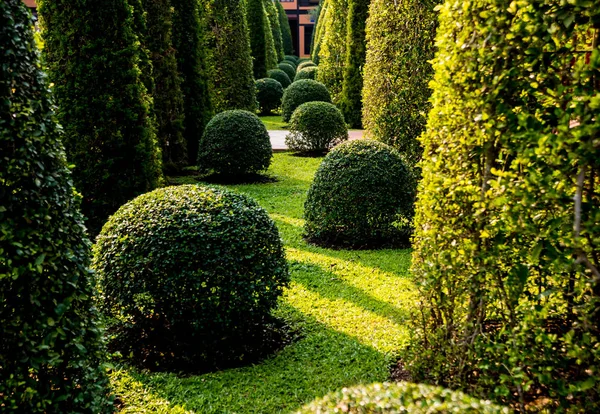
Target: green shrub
point(288, 69)
point(268, 93)
point(362, 196)
point(292, 58)
point(272, 55)
point(400, 45)
point(108, 133)
point(51, 350)
point(305, 64)
point(286, 32)
point(316, 127)
point(304, 59)
point(507, 227)
point(280, 76)
point(198, 265)
point(291, 61)
point(235, 143)
point(230, 62)
point(309, 72)
point(319, 31)
point(399, 398)
point(273, 16)
point(297, 93)
point(257, 22)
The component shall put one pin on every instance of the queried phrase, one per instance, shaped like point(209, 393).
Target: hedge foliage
point(273, 16)
point(319, 31)
point(235, 143)
point(257, 25)
point(280, 76)
point(309, 72)
point(230, 61)
point(400, 44)
point(291, 60)
point(196, 264)
point(305, 64)
point(268, 94)
point(316, 127)
point(396, 398)
point(508, 218)
point(108, 134)
point(272, 54)
point(286, 32)
point(361, 197)
point(305, 90)
point(288, 69)
point(51, 348)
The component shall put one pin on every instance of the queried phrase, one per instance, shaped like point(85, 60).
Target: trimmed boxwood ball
point(306, 64)
point(268, 94)
point(316, 127)
point(403, 397)
point(291, 58)
point(191, 262)
point(288, 69)
point(235, 143)
point(362, 196)
point(309, 72)
point(302, 91)
point(291, 62)
point(280, 76)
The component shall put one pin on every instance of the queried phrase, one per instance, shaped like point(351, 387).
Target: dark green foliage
point(280, 76)
point(286, 32)
point(272, 54)
point(288, 69)
point(403, 397)
point(273, 16)
point(362, 196)
point(235, 143)
point(51, 350)
point(291, 58)
point(309, 72)
point(400, 44)
point(305, 64)
point(507, 229)
point(291, 61)
point(188, 41)
point(305, 90)
point(268, 94)
point(91, 54)
point(198, 265)
point(257, 22)
point(351, 99)
point(230, 62)
point(316, 127)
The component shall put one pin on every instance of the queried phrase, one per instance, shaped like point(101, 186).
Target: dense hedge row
point(50, 345)
point(508, 218)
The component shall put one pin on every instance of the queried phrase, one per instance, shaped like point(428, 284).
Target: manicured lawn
point(273, 122)
point(350, 307)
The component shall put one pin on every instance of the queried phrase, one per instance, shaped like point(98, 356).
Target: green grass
point(350, 306)
point(273, 122)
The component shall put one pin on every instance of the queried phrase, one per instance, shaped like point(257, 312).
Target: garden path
point(278, 138)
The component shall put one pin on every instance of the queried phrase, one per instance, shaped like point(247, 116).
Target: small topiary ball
point(309, 72)
point(305, 90)
point(288, 69)
point(316, 127)
point(280, 76)
point(235, 143)
point(403, 397)
point(291, 58)
point(303, 65)
point(291, 62)
point(268, 94)
point(189, 262)
point(362, 196)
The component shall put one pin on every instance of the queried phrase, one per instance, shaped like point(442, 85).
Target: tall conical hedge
point(51, 350)
point(92, 53)
point(272, 58)
point(286, 32)
point(257, 22)
point(316, 15)
point(230, 62)
point(275, 28)
point(351, 99)
point(508, 216)
point(400, 44)
point(188, 41)
point(319, 31)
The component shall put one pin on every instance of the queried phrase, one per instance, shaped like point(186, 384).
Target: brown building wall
point(30, 3)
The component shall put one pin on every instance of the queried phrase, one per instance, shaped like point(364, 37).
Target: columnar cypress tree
point(255, 15)
point(272, 58)
point(286, 32)
point(315, 13)
point(92, 54)
point(51, 348)
point(188, 41)
point(319, 31)
point(230, 61)
point(400, 44)
point(275, 28)
point(351, 100)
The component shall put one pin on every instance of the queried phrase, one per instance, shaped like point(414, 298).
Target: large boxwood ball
point(291, 58)
point(280, 76)
point(396, 398)
point(235, 143)
point(288, 69)
point(309, 72)
point(192, 259)
point(268, 94)
point(304, 65)
point(316, 127)
point(362, 196)
point(291, 61)
point(302, 91)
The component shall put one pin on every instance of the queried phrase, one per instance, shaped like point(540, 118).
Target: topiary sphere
point(280, 76)
point(316, 127)
point(403, 397)
point(304, 59)
point(289, 62)
point(288, 69)
point(291, 58)
point(362, 196)
point(190, 261)
point(309, 72)
point(305, 90)
point(235, 143)
point(306, 64)
point(268, 94)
